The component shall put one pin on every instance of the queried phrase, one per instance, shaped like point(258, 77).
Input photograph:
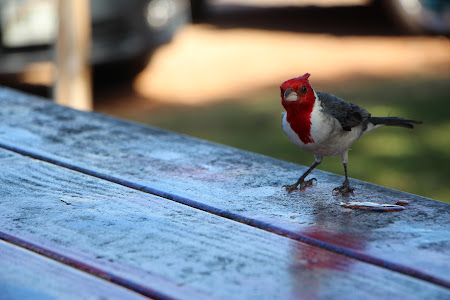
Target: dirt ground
point(242, 48)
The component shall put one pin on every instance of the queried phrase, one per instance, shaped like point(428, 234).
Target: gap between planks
point(234, 217)
point(79, 265)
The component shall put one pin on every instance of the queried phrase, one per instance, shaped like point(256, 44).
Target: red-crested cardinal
point(326, 125)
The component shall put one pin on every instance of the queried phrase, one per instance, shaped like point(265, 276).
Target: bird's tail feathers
point(393, 121)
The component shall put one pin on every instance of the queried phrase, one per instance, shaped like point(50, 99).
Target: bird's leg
point(345, 189)
point(301, 181)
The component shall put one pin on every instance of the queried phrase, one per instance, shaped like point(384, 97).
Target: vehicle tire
point(198, 10)
point(419, 16)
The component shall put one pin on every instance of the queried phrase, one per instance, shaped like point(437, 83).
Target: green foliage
point(416, 161)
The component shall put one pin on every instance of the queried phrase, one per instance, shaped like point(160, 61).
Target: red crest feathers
point(305, 76)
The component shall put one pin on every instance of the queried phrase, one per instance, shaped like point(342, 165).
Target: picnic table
point(96, 207)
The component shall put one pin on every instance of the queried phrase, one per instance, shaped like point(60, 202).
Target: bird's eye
point(304, 89)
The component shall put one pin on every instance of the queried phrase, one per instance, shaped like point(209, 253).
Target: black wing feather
point(349, 115)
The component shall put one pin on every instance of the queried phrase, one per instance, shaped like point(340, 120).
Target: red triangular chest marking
point(300, 120)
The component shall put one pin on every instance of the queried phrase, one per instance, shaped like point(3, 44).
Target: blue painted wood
point(177, 250)
point(27, 275)
point(320, 240)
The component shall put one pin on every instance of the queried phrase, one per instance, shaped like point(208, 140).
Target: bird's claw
point(290, 188)
point(303, 185)
point(344, 190)
point(306, 184)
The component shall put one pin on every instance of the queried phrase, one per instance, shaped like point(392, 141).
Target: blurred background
point(212, 69)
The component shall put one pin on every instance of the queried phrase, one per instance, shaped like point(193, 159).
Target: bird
point(326, 125)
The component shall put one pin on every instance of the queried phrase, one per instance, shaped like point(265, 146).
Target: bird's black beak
point(290, 95)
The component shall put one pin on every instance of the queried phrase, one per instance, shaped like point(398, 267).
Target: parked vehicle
point(124, 32)
point(411, 16)
point(419, 16)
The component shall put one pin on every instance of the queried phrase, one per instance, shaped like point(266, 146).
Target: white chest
point(329, 137)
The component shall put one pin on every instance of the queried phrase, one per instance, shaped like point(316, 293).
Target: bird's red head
point(297, 92)
point(297, 98)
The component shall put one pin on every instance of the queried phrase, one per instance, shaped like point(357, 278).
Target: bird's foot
point(344, 190)
point(303, 184)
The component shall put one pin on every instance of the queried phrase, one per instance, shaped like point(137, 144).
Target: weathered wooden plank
point(27, 275)
point(232, 181)
point(180, 251)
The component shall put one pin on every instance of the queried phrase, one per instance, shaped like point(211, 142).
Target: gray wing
point(349, 115)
